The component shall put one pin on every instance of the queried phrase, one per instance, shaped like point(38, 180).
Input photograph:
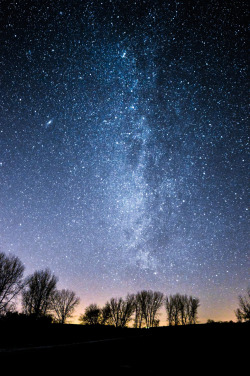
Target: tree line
point(40, 298)
point(143, 309)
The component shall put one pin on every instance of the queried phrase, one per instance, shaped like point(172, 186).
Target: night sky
point(123, 147)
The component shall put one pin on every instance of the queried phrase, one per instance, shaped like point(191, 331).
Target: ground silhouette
point(56, 347)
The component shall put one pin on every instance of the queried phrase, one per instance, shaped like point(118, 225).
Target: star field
point(124, 146)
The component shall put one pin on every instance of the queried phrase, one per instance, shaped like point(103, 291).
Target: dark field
point(197, 349)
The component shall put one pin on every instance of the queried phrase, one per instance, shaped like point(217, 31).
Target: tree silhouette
point(170, 310)
point(194, 303)
point(92, 315)
point(177, 308)
point(139, 318)
point(106, 317)
point(120, 310)
point(181, 309)
point(11, 280)
point(63, 304)
point(37, 296)
point(243, 312)
point(147, 305)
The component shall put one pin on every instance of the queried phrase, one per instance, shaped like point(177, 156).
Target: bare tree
point(147, 305)
point(120, 310)
point(176, 308)
point(63, 304)
point(138, 319)
point(243, 312)
point(156, 303)
point(169, 302)
point(91, 316)
point(194, 303)
point(37, 296)
point(113, 308)
point(127, 309)
point(11, 280)
point(106, 317)
point(181, 309)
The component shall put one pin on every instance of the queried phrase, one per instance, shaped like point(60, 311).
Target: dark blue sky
point(124, 160)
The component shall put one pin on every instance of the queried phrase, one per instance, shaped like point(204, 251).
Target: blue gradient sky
point(123, 147)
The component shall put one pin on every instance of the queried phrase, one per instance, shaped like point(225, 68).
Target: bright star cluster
point(124, 148)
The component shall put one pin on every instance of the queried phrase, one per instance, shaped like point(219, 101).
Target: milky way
point(124, 159)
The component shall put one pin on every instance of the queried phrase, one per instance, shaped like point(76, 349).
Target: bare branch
point(63, 304)
point(37, 296)
point(11, 280)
